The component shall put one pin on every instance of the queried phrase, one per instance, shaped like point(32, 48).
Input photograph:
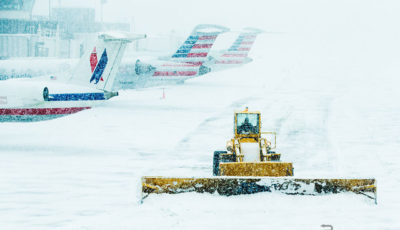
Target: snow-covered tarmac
point(334, 106)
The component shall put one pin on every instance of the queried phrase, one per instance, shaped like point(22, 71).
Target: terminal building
point(58, 35)
point(20, 34)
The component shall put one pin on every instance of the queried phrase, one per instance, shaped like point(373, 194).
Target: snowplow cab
point(250, 153)
point(247, 124)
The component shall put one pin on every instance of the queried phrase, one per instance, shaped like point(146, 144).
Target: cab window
point(247, 123)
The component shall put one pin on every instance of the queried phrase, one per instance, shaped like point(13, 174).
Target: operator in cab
point(246, 127)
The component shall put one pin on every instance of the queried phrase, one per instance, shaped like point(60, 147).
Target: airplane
point(50, 97)
point(237, 54)
point(185, 63)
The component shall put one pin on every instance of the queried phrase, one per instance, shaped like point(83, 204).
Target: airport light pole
point(102, 2)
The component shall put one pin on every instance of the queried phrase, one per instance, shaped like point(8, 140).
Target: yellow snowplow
point(249, 165)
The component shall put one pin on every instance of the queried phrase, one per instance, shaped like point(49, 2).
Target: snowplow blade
point(228, 186)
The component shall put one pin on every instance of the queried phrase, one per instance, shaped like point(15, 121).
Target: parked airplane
point(237, 54)
point(186, 62)
point(45, 98)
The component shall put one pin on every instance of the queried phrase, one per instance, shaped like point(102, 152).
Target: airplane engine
point(26, 93)
point(204, 69)
point(143, 68)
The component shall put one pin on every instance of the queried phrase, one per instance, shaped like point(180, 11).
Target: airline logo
point(196, 46)
point(239, 50)
point(98, 67)
point(243, 43)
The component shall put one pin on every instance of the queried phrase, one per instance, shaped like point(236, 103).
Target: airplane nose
point(143, 68)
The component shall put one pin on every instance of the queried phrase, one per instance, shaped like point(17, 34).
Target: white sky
point(181, 15)
point(324, 18)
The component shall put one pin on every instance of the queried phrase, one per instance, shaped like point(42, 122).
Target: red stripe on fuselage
point(229, 62)
point(42, 111)
point(199, 63)
point(175, 73)
point(234, 55)
point(183, 64)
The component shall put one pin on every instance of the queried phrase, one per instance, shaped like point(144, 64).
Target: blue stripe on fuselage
point(76, 97)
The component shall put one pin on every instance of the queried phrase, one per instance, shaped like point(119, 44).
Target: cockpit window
point(247, 123)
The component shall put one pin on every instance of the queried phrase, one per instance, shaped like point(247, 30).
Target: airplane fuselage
point(26, 100)
point(135, 75)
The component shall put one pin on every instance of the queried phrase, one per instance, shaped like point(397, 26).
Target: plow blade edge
point(228, 186)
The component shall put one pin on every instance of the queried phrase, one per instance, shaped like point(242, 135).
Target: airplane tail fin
point(243, 43)
point(97, 68)
point(197, 46)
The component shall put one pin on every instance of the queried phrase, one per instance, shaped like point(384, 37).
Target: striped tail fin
point(197, 46)
point(243, 43)
point(100, 73)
